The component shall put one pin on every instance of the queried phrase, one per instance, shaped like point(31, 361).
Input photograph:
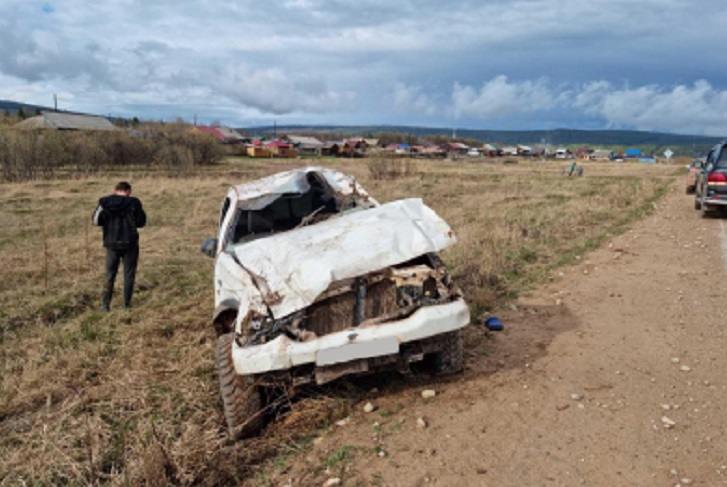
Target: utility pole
point(195, 119)
point(275, 129)
point(55, 102)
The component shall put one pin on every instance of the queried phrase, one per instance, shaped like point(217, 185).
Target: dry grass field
point(132, 398)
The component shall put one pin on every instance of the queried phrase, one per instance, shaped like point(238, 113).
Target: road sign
point(668, 153)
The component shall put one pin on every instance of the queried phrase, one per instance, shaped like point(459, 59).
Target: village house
point(563, 153)
point(371, 143)
point(279, 148)
point(224, 135)
point(231, 135)
point(583, 153)
point(306, 146)
point(400, 149)
point(432, 152)
point(524, 150)
point(353, 148)
point(456, 148)
point(66, 121)
point(633, 153)
point(257, 149)
point(491, 150)
point(331, 148)
point(602, 155)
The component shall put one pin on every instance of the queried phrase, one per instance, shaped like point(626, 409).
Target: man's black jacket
point(119, 216)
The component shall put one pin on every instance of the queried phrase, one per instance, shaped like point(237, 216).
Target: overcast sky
point(643, 64)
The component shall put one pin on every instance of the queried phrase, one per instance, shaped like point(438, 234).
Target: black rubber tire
point(242, 402)
point(706, 211)
point(450, 359)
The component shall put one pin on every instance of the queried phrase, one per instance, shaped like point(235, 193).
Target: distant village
point(292, 145)
point(238, 142)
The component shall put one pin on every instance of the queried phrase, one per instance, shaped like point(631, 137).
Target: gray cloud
point(698, 108)
point(499, 97)
point(424, 61)
point(413, 99)
point(273, 91)
point(39, 54)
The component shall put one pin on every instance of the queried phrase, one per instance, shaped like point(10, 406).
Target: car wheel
point(706, 211)
point(241, 401)
point(450, 359)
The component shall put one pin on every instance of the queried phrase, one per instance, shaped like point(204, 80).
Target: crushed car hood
point(292, 269)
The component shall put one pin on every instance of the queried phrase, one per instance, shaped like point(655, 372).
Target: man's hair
point(123, 186)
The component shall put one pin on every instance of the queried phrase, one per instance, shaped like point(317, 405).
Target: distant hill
point(13, 107)
point(553, 137)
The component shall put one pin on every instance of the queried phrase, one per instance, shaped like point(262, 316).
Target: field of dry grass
point(132, 398)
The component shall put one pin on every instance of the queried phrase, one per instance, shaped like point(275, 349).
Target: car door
point(693, 177)
point(702, 175)
point(716, 177)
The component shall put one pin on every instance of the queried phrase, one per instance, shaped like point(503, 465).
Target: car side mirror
point(209, 247)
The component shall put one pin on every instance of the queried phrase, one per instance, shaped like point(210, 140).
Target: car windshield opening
point(287, 212)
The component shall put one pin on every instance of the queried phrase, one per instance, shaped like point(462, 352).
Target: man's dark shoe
point(104, 308)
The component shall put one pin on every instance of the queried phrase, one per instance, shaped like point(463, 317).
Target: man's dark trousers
point(130, 257)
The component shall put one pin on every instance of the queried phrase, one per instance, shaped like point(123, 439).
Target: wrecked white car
point(314, 280)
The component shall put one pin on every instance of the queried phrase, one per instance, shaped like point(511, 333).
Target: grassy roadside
point(131, 399)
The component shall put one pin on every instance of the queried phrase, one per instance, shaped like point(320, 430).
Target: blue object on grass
point(494, 324)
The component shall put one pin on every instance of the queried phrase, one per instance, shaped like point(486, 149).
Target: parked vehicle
point(711, 189)
point(473, 152)
point(562, 153)
point(694, 169)
point(314, 280)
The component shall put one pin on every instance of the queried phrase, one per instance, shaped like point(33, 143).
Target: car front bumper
point(351, 344)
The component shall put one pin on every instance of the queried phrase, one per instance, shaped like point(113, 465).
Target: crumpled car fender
point(235, 289)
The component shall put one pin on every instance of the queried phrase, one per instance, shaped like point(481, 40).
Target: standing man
point(120, 215)
point(572, 169)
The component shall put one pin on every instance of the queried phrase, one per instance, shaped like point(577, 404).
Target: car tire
point(450, 359)
point(242, 402)
point(706, 210)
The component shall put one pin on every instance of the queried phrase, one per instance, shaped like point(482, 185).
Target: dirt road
point(614, 374)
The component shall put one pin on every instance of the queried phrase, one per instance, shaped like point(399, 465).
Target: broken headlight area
point(377, 298)
point(262, 329)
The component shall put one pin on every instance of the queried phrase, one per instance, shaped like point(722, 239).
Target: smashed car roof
point(258, 194)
